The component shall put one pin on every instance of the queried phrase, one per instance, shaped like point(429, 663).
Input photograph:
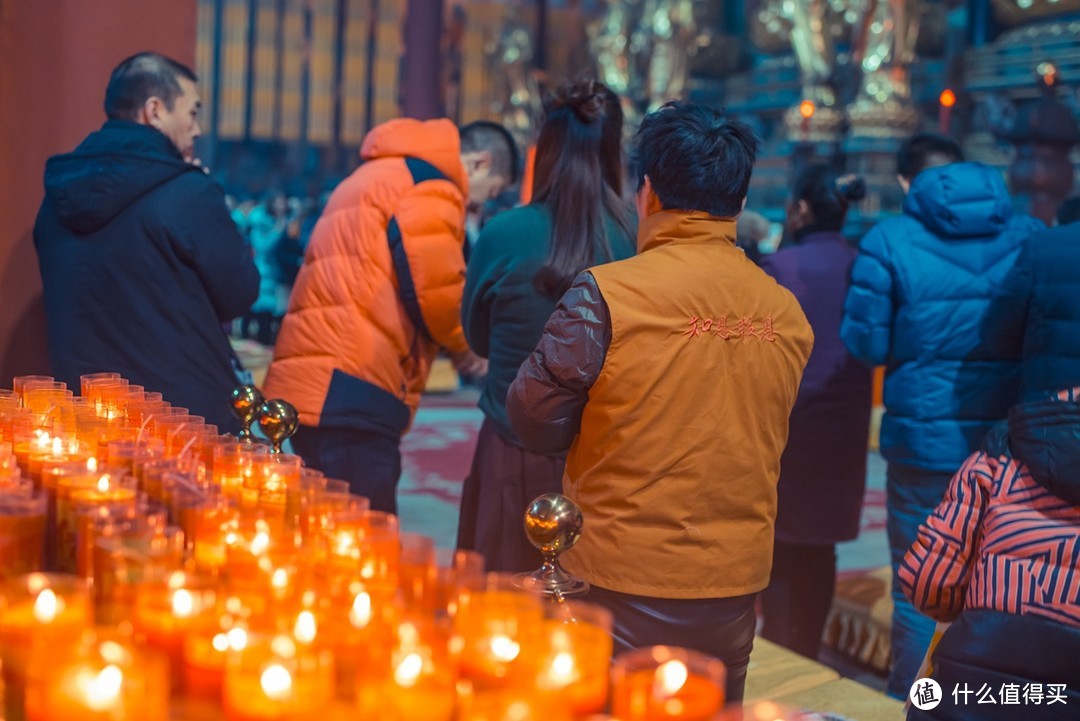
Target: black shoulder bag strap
point(421, 170)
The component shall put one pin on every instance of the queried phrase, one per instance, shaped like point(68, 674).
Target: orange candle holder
point(359, 629)
point(101, 676)
point(665, 683)
point(167, 607)
point(500, 627)
point(267, 480)
point(206, 649)
point(87, 381)
point(232, 464)
point(92, 522)
point(419, 680)
point(79, 494)
point(127, 453)
point(577, 657)
point(22, 532)
point(37, 612)
point(277, 679)
point(126, 553)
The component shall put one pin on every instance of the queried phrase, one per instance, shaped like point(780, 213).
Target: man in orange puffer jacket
point(380, 292)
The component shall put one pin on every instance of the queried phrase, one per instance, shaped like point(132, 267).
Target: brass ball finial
point(245, 403)
point(278, 421)
point(553, 524)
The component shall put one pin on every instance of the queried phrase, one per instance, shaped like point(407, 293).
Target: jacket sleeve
point(431, 217)
point(486, 269)
point(206, 234)
point(547, 397)
point(937, 568)
point(868, 308)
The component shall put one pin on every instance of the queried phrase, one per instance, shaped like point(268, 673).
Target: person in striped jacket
point(1000, 559)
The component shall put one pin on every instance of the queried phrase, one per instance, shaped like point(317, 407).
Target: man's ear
point(646, 200)
point(150, 112)
point(476, 160)
point(905, 184)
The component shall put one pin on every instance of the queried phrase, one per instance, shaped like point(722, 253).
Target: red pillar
point(421, 66)
point(55, 60)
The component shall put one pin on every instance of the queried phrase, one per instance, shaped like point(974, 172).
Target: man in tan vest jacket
point(670, 377)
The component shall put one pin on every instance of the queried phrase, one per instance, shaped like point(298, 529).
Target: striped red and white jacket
point(1006, 536)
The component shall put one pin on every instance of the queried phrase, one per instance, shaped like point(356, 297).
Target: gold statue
point(813, 27)
point(672, 31)
point(884, 46)
point(642, 50)
point(519, 103)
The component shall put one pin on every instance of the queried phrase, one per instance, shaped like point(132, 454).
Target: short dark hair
point(141, 77)
point(482, 135)
point(696, 158)
point(917, 153)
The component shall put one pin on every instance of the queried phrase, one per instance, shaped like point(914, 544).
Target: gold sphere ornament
point(278, 421)
point(553, 524)
point(245, 404)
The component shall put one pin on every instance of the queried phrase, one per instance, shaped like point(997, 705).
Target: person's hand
point(470, 364)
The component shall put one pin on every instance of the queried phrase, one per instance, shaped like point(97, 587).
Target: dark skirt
point(503, 481)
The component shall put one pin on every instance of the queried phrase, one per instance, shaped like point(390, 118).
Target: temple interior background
point(291, 86)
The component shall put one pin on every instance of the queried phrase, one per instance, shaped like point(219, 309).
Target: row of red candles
point(151, 565)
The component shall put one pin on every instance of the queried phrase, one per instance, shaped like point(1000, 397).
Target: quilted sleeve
point(868, 308)
point(546, 399)
point(431, 218)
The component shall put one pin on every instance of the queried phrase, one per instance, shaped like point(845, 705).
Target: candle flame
point(409, 669)
point(260, 543)
point(47, 606)
point(276, 682)
point(504, 648)
point(57, 447)
point(238, 639)
point(280, 579)
point(91, 465)
point(305, 629)
point(671, 677)
point(563, 669)
point(42, 440)
point(113, 652)
point(101, 690)
point(220, 642)
point(183, 603)
point(283, 646)
point(103, 483)
point(360, 615)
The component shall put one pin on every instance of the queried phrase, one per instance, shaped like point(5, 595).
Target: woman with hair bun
point(823, 469)
point(522, 263)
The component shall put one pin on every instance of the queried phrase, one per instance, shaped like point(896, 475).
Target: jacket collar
point(684, 226)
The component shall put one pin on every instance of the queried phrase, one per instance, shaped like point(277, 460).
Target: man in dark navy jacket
point(140, 261)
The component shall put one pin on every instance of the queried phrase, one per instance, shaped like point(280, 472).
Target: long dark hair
point(579, 177)
point(828, 194)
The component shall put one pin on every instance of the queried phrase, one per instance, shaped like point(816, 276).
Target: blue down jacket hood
point(961, 200)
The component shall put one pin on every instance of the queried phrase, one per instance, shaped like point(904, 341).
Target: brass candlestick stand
point(553, 524)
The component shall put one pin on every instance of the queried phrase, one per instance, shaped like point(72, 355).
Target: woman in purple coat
point(823, 469)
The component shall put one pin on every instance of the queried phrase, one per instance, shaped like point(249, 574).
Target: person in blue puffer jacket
point(922, 287)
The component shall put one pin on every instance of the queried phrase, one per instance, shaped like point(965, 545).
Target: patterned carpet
point(438, 451)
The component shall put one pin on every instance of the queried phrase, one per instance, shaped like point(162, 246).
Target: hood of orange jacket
point(436, 141)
